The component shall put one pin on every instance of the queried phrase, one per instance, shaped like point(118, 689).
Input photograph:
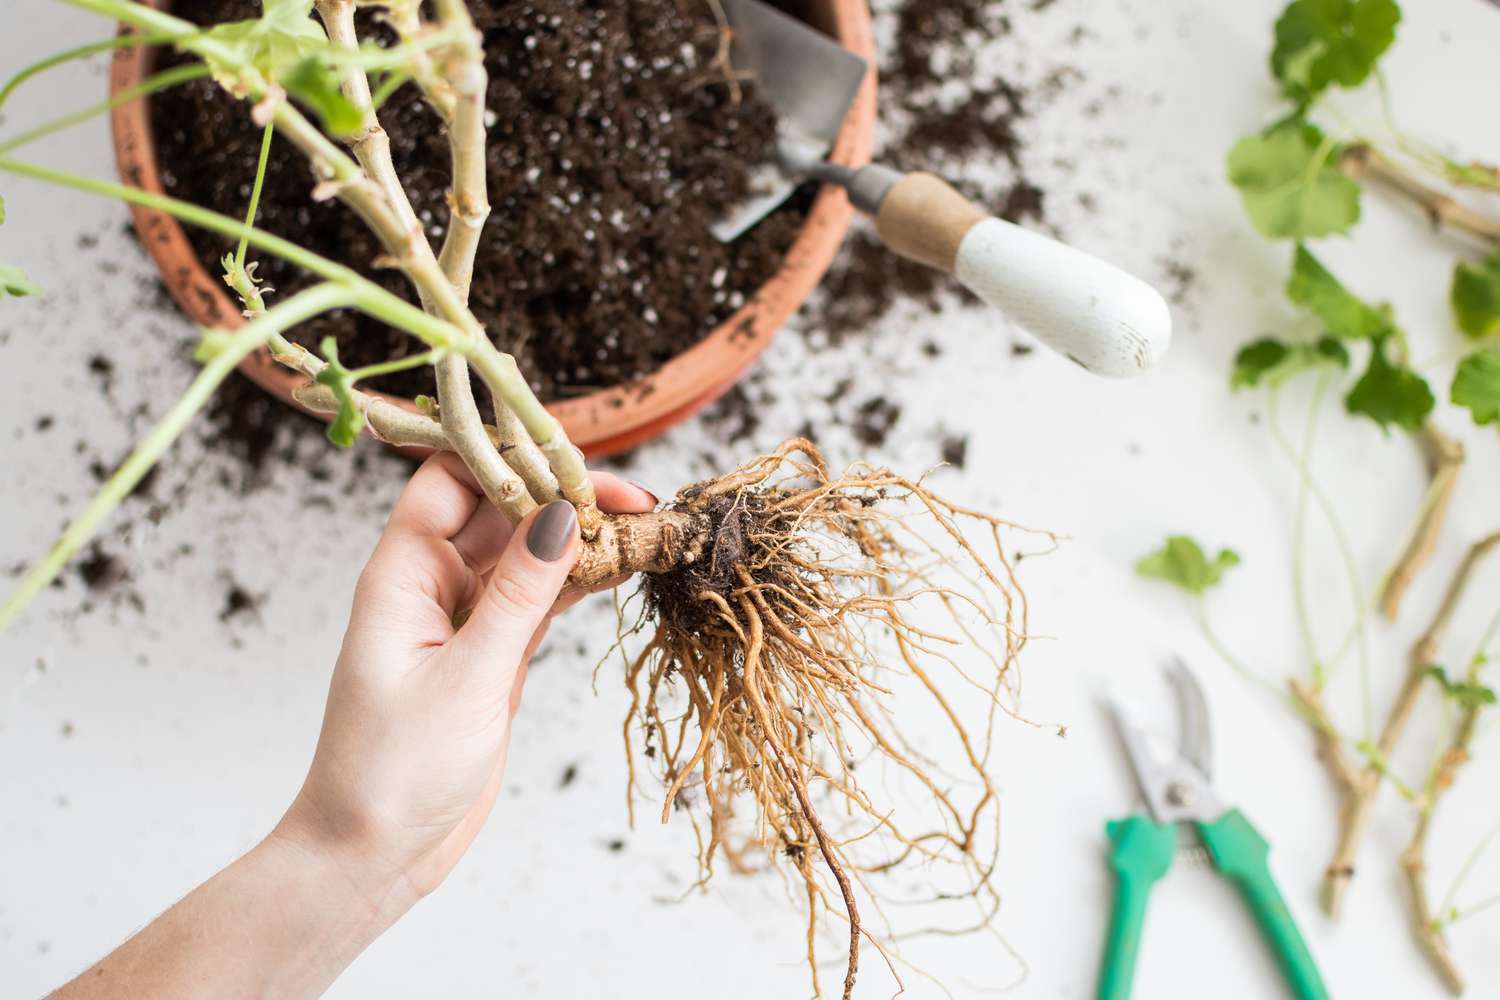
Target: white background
point(141, 751)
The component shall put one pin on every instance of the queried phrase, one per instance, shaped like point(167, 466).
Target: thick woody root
point(773, 671)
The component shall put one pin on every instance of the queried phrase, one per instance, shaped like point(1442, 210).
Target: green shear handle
point(1142, 854)
point(1240, 853)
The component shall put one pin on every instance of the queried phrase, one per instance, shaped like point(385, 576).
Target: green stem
point(300, 307)
point(80, 52)
point(1346, 556)
point(1482, 652)
point(393, 81)
point(1218, 645)
point(155, 22)
point(1299, 529)
point(159, 81)
point(368, 296)
point(1463, 873)
point(326, 155)
point(1377, 762)
point(1469, 911)
point(255, 190)
point(398, 365)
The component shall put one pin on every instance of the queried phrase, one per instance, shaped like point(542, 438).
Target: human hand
point(419, 713)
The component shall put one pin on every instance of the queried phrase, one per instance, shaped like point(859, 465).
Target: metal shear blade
point(1175, 782)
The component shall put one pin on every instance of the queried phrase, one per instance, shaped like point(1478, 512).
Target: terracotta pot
point(603, 422)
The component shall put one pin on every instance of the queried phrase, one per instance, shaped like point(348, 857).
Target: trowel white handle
point(1110, 322)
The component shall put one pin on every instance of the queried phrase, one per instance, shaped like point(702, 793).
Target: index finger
point(438, 500)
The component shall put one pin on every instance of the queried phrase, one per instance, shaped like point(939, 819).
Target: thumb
point(524, 584)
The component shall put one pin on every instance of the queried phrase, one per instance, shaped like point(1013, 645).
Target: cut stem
point(1445, 459)
point(1361, 161)
point(1426, 924)
point(1356, 815)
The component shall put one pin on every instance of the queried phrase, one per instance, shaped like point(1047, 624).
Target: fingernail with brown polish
point(649, 491)
point(552, 530)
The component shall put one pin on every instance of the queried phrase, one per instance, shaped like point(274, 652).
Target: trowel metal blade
point(809, 80)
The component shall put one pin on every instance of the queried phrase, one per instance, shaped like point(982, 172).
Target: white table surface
point(140, 751)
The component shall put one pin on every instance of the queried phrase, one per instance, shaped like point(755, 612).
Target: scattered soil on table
point(614, 142)
point(955, 449)
point(873, 420)
point(239, 602)
point(99, 570)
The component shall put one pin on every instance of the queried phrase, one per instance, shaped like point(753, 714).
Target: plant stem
point(499, 371)
point(397, 365)
point(1445, 459)
point(1423, 654)
point(255, 190)
point(404, 238)
point(300, 307)
point(80, 52)
point(1449, 912)
point(470, 206)
point(1299, 529)
point(367, 296)
point(1361, 161)
point(1428, 925)
point(1331, 744)
point(1340, 538)
point(541, 452)
point(159, 81)
point(404, 16)
point(1479, 907)
point(1218, 646)
point(376, 200)
point(1425, 924)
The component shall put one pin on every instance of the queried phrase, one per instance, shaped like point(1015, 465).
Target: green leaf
point(290, 48)
point(1269, 361)
point(14, 283)
point(1476, 296)
point(1390, 394)
point(1467, 694)
point(349, 421)
point(1476, 385)
point(1182, 562)
point(1343, 314)
point(1289, 186)
point(1323, 42)
point(274, 43)
point(2, 211)
point(317, 86)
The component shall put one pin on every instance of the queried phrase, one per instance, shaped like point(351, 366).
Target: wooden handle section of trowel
point(1108, 321)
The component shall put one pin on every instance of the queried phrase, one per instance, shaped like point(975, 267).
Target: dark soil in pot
point(614, 142)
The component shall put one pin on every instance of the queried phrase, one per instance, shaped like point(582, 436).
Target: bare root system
point(771, 678)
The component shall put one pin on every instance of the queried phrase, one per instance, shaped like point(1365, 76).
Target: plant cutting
point(1301, 179)
point(785, 604)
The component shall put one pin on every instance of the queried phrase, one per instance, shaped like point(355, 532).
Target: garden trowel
point(1106, 320)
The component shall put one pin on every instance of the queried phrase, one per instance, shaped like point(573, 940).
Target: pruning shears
point(1175, 784)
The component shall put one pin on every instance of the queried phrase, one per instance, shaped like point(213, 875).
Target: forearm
point(283, 921)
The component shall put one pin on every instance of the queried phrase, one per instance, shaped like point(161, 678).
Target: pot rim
point(602, 422)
